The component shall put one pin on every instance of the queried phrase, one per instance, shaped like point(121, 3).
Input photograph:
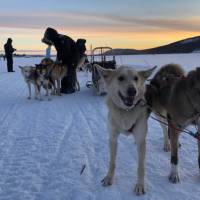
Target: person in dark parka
point(9, 54)
point(69, 52)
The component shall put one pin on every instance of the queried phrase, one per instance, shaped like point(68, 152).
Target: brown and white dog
point(37, 77)
point(178, 97)
point(57, 71)
point(127, 114)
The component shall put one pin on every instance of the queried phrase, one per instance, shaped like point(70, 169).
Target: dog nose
point(131, 91)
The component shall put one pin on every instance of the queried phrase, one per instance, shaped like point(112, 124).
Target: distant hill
point(188, 45)
point(122, 52)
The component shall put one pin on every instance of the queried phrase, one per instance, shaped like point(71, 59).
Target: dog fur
point(126, 114)
point(35, 77)
point(57, 71)
point(157, 93)
point(182, 107)
point(43, 80)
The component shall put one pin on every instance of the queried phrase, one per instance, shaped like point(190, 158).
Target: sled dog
point(36, 77)
point(43, 80)
point(127, 114)
point(180, 101)
point(157, 93)
point(56, 72)
point(28, 72)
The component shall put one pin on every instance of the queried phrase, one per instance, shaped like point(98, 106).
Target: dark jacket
point(68, 51)
point(8, 49)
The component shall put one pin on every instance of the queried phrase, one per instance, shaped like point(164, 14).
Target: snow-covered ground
point(44, 145)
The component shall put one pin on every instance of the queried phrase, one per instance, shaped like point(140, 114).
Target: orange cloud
point(27, 29)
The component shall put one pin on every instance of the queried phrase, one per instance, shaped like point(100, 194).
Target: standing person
point(48, 52)
point(69, 52)
point(9, 54)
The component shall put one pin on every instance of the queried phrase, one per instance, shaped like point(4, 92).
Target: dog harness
point(142, 103)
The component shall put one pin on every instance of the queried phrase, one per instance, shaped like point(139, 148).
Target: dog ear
point(147, 73)
point(105, 73)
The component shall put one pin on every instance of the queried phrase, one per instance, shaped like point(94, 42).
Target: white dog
point(28, 72)
point(127, 113)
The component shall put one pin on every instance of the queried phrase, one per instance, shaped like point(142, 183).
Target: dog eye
point(135, 78)
point(121, 78)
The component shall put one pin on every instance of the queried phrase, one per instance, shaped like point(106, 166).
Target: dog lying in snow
point(127, 114)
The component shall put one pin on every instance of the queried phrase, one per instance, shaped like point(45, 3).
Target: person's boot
point(67, 86)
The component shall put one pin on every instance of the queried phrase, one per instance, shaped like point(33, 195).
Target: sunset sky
point(135, 24)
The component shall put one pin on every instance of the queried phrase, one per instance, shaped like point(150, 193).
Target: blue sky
point(128, 23)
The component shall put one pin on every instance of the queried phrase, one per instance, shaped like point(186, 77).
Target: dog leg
point(58, 87)
point(199, 154)
point(29, 90)
point(139, 187)
point(36, 91)
point(77, 85)
point(39, 93)
point(174, 134)
point(166, 147)
point(53, 92)
point(47, 93)
point(198, 141)
point(140, 135)
point(113, 152)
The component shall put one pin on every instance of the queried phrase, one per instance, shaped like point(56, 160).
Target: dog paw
point(139, 189)
point(174, 178)
point(28, 98)
point(106, 181)
point(167, 147)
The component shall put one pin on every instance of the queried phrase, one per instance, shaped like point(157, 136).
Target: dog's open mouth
point(128, 101)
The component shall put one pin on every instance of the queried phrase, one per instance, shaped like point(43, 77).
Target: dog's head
point(46, 61)
point(27, 71)
point(125, 86)
point(41, 71)
point(50, 36)
point(193, 78)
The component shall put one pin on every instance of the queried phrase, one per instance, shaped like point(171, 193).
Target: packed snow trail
point(45, 144)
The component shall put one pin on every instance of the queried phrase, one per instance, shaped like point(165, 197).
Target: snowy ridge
point(190, 40)
point(44, 145)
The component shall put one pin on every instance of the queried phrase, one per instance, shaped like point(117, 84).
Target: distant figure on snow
point(9, 54)
point(69, 52)
point(48, 52)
